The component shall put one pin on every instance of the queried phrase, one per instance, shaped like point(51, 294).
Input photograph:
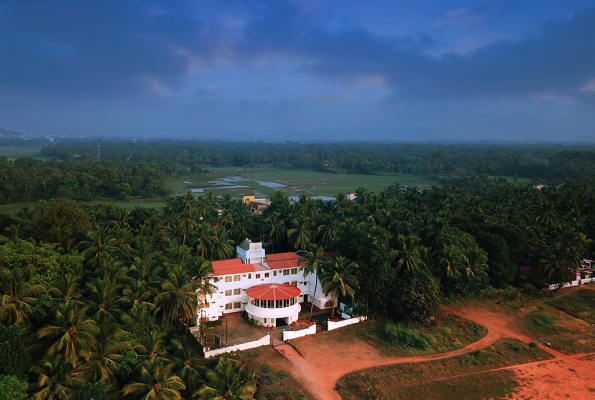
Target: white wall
point(288, 335)
point(573, 283)
point(265, 341)
point(334, 325)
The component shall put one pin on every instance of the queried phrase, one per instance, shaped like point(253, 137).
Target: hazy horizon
point(312, 70)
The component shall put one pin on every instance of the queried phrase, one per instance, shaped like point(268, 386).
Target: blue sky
point(293, 70)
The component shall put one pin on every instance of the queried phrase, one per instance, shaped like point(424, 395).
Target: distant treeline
point(28, 179)
point(539, 161)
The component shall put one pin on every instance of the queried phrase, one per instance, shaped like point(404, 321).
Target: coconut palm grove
point(97, 299)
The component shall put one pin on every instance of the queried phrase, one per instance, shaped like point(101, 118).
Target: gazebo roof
point(273, 291)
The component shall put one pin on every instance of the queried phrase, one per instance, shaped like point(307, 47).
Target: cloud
point(556, 60)
point(461, 18)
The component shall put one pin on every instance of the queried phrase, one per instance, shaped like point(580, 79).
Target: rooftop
point(230, 267)
point(273, 291)
point(283, 260)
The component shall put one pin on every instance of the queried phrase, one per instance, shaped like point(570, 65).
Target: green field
point(14, 152)
point(294, 182)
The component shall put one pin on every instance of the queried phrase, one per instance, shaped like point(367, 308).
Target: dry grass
point(429, 379)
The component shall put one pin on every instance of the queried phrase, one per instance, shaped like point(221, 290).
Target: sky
point(300, 69)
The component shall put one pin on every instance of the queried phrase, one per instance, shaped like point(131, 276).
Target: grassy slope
point(450, 332)
point(580, 304)
point(422, 380)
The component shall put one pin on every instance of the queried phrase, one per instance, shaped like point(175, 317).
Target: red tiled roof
point(230, 267)
point(282, 256)
point(273, 291)
point(283, 260)
point(226, 263)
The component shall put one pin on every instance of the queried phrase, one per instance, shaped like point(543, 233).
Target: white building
point(233, 279)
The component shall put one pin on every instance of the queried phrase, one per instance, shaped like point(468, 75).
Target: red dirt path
point(323, 362)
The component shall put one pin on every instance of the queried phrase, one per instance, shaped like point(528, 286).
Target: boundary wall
point(339, 324)
point(264, 341)
point(288, 335)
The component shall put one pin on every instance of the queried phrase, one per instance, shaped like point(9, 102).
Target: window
point(279, 303)
point(257, 276)
point(237, 291)
point(294, 283)
point(228, 292)
point(266, 274)
point(236, 278)
point(243, 276)
point(274, 273)
point(293, 271)
point(228, 306)
point(237, 305)
point(228, 279)
point(249, 276)
point(285, 272)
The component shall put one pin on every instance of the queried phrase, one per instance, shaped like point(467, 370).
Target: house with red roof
point(269, 288)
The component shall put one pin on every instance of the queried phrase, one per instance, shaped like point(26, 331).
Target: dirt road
point(322, 363)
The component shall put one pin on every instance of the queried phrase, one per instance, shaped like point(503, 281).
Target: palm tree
point(300, 236)
point(56, 379)
point(103, 301)
point(156, 382)
point(449, 265)
point(140, 318)
point(340, 279)
point(67, 288)
point(73, 333)
point(101, 243)
point(222, 246)
point(411, 254)
point(556, 265)
point(203, 239)
point(178, 300)
point(313, 264)
point(137, 292)
point(18, 297)
point(187, 223)
point(329, 232)
point(275, 229)
point(475, 263)
point(186, 359)
point(228, 381)
point(105, 356)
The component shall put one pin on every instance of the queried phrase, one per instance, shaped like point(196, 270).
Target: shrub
point(533, 345)
point(417, 295)
point(406, 337)
point(212, 324)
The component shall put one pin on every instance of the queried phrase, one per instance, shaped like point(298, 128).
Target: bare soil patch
point(276, 375)
point(568, 378)
point(404, 380)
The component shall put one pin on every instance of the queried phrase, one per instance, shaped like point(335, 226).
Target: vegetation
point(27, 179)
point(99, 298)
point(580, 304)
point(407, 379)
point(441, 334)
point(452, 164)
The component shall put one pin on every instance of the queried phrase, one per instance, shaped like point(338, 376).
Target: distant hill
point(7, 132)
